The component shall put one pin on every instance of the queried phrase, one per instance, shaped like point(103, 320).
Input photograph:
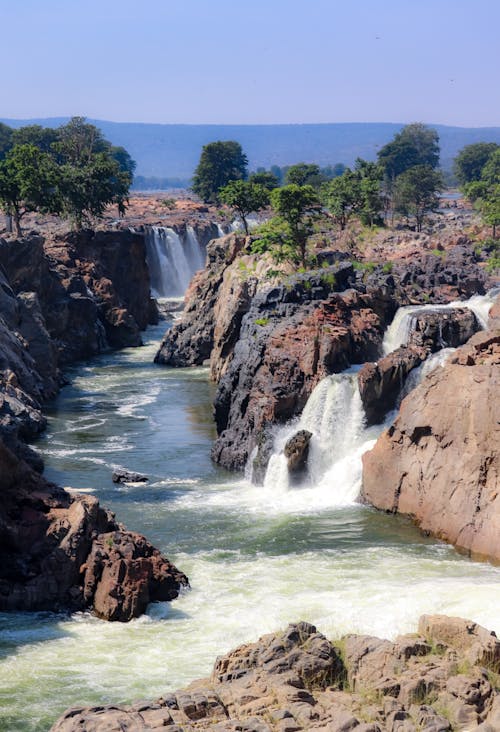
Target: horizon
point(261, 64)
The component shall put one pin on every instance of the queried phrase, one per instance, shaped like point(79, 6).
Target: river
point(257, 558)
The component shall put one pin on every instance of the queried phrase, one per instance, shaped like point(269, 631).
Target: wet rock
point(125, 476)
point(296, 452)
point(295, 680)
point(63, 551)
point(440, 461)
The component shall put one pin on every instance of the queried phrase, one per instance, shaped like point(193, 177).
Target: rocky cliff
point(446, 677)
point(269, 336)
point(63, 551)
point(440, 461)
point(59, 301)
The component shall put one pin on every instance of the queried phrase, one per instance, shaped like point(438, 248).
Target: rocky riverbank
point(270, 337)
point(445, 677)
point(63, 300)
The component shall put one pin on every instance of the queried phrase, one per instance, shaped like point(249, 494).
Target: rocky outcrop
point(440, 461)
point(296, 451)
point(441, 679)
point(380, 383)
point(63, 551)
point(288, 342)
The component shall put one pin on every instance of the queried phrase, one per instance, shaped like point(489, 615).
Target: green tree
point(304, 174)
point(471, 159)
point(264, 178)
point(28, 182)
point(93, 173)
point(287, 233)
point(485, 192)
point(415, 144)
point(5, 139)
point(417, 192)
point(244, 197)
point(342, 197)
point(371, 200)
point(41, 137)
point(220, 163)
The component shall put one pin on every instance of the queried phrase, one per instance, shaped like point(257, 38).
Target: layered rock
point(298, 680)
point(440, 461)
point(63, 551)
point(380, 383)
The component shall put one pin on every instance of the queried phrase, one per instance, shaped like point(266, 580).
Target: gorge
point(257, 556)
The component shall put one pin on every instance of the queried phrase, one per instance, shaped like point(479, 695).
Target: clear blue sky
point(252, 61)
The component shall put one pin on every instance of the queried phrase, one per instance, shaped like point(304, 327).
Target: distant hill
point(173, 150)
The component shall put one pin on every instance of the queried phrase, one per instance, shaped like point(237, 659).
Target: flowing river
point(257, 558)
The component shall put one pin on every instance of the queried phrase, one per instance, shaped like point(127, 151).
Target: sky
point(252, 61)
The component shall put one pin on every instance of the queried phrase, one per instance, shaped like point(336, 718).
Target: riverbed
point(257, 558)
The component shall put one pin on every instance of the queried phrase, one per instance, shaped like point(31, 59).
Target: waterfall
point(172, 260)
point(431, 363)
point(335, 417)
point(398, 333)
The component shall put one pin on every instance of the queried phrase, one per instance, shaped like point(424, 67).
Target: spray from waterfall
point(398, 333)
point(172, 260)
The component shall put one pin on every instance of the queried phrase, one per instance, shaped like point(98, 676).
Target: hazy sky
point(252, 61)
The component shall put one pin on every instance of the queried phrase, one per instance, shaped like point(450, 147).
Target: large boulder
point(298, 680)
point(63, 551)
point(440, 461)
point(296, 452)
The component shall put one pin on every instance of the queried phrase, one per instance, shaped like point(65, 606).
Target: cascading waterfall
point(398, 333)
point(334, 415)
point(172, 260)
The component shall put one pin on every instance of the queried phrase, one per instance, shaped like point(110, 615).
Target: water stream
point(257, 557)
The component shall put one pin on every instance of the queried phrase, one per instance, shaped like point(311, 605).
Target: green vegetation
point(262, 321)
point(70, 171)
point(416, 192)
point(244, 197)
point(415, 145)
point(286, 235)
point(485, 191)
point(220, 163)
point(470, 161)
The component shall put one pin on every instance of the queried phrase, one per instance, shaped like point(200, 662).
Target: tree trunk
point(17, 224)
point(8, 223)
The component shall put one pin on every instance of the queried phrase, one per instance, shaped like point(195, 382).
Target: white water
point(334, 414)
point(432, 362)
point(398, 333)
point(172, 260)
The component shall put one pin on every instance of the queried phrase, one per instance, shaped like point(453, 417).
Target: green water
point(257, 558)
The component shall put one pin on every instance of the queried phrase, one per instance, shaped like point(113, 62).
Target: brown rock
point(440, 461)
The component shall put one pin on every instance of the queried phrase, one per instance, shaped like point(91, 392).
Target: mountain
point(174, 150)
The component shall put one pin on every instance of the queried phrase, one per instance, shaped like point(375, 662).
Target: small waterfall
point(398, 333)
point(416, 375)
point(172, 260)
point(334, 414)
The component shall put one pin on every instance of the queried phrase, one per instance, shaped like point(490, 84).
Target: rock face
point(440, 461)
point(63, 551)
point(298, 680)
point(380, 383)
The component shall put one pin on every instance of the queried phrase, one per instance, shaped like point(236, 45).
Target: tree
point(94, 174)
point(28, 182)
point(471, 159)
point(244, 197)
point(415, 144)
point(220, 163)
point(417, 192)
point(342, 197)
point(371, 200)
point(304, 174)
point(287, 233)
point(265, 178)
point(485, 192)
point(5, 139)
point(41, 137)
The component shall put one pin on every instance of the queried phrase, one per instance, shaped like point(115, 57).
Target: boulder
point(296, 452)
point(125, 476)
point(440, 461)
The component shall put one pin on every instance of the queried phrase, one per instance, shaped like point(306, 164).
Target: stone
point(125, 476)
point(296, 452)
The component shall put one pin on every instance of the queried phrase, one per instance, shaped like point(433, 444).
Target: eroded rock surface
point(443, 678)
point(440, 461)
point(63, 551)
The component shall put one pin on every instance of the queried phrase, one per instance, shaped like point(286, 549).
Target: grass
point(261, 321)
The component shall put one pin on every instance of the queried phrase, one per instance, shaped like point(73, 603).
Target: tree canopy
point(220, 163)
point(71, 171)
point(485, 192)
point(470, 161)
point(305, 174)
point(415, 144)
point(417, 192)
point(244, 197)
